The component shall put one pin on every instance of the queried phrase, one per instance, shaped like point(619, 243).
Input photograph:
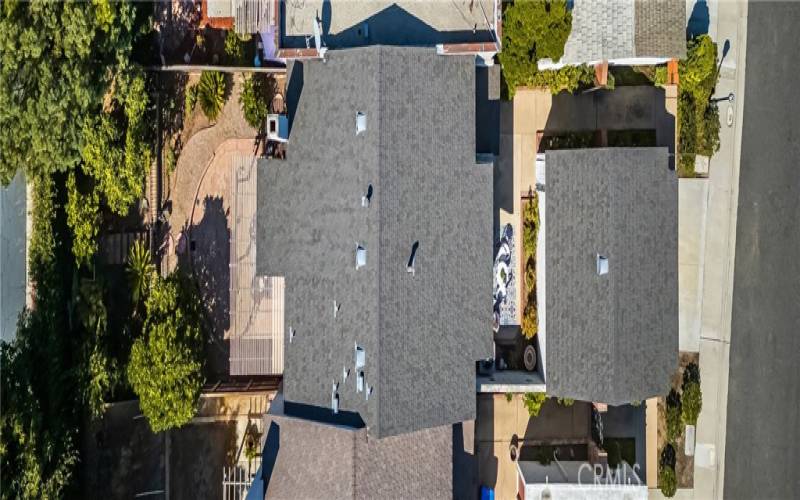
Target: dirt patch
point(684, 465)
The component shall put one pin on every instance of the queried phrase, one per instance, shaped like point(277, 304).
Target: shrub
point(533, 30)
point(234, 49)
point(567, 402)
point(530, 230)
point(691, 374)
point(667, 482)
point(673, 416)
point(509, 396)
point(257, 92)
point(692, 403)
point(190, 99)
point(211, 93)
point(533, 402)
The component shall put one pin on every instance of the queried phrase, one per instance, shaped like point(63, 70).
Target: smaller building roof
point(626, 29)
point(347, 23)
point(312, 460)
point(613, 337)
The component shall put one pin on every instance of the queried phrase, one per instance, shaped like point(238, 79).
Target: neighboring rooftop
point(349, 23)
point(612, 332)
point(626, 29)
point(428, 205)
point(304, 459)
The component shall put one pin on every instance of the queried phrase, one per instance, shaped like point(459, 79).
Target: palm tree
point(141, 271)
point(211, 93)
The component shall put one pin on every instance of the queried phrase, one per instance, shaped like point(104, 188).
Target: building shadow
point(269, 455)
point(628, 116)
point(391, 26)
point(487, 462)
point(699, 20)
point(208, 260)
point(503, 175)
point(294, 88)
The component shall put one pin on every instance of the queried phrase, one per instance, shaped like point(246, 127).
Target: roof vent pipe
point(602, 264)
point(367, 197)
point(361, 122)
point(413, 258)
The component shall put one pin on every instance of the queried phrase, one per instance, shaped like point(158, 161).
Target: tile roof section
point(611, 338)
point(423, 332)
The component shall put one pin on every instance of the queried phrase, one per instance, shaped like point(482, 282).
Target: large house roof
point(421, 332)
point(309, 460)
point(624, 29)
point(611, 338)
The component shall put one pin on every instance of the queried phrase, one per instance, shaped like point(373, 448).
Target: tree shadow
point(208, 259)
point(699, 20)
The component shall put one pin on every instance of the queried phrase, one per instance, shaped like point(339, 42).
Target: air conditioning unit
point(278, 128)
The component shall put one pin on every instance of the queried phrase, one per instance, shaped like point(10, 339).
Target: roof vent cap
point(361, 122)
point(361, 256)
point(361, 357)
point(602, 264)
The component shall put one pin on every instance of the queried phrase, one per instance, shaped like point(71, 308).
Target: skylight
point(361, 256)
point(602, 264)
point(361, 122)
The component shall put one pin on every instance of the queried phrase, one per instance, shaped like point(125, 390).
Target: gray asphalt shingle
point(622, 29)
point(611, 338)
point(312, 461)
point(423, 332)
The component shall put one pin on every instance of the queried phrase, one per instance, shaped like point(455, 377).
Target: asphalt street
point(763, 416)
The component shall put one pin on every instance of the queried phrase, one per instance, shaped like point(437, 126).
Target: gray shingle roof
point(621, 29)
point(611, 338)
point(422, 333)
point(309, 460)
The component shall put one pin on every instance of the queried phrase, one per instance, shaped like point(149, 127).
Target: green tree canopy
point(72, 101)
point(257, 92)
point(533, 30)
point(165, 368)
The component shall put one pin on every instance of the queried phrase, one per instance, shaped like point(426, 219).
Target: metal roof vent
point(361, 122)
point(291, 334)
point(335, 398)
point(602, 264)
point(361, 357)
point(361, 256)
point(336, 307)
point(413, 258)
point(369, 391)
point(367, 197)
point(345, 373)
point(360, 381)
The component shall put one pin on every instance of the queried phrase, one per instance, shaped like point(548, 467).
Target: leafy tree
point(99, 373)
point(165, 368)
point(190, 100)
point(257, 92)
point(141, 271)
point(533, 402)
point(83, 215)
point(57, 62)
point(691, 403)
point(72, 101)
point(211, 93)
point(40, 421)
point(533, 30)
point(667, 481)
